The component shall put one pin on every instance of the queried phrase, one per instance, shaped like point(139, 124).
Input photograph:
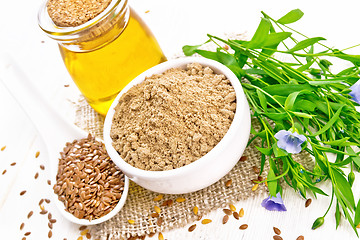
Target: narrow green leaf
point(344, 187)
point(304, 105)
point(262, 99)
point(278, 152)
point(290, 17)
point(357, 214)
point(225, 58)
point(337, 215)
point(265, 151)
point(260, 35)
point(207, 54)
point(190, 50)
point(303, 115)
point(276, 116)
point(274, 39)
point(290, 100)
point(337, 142)
point(286, 89)
point(324, 82)
point(330, 123)
point(306, 43)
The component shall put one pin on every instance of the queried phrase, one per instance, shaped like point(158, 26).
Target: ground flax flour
point(174, 118)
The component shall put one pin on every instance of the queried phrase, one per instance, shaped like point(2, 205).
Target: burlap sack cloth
point(140, 202)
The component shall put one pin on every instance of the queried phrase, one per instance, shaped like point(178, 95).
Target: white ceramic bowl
point(209, 168)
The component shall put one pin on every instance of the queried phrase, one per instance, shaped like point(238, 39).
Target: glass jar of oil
point(104, 54)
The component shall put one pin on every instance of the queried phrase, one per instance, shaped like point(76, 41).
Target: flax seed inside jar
point(88, 183)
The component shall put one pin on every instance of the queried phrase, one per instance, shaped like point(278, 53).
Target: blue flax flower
point(274, 203)
point(289, 141)
point(355, 92)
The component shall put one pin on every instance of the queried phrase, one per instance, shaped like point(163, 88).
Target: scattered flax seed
point(131, 221)
point(47, 200)
point(154, 215)
point(22, 226)
point(236, 215)
point(66, 85)
point(157, 209)
point(255, 181)
point(225, 219)
point(27, 233)
point(49, 216)
point(243, 227)
point(42, 207)
point(277, 231)
point(159, 221)
point(161, 237)
point(80, 238)
point(43, 212)
point(52, 220)
point(30, 214)
point(277, 237)
point(13, 164)
point(228, 183)
point(151, 234)
point(88, 235)
point(49, 182)
point(199, 217)
point(4, 172)
point(206, 221)
point(158, 198)
point(50, 225)
point(147, 11)
point(255, 187)
point(83, 233)
point(232, 207)
point(42, 167)
point(243, 158)
point(82, 228)
point(37, 154)
point(24, 238)
point(227, 211)
point(192, 228)
point(50, 234)
point(180, 199)
point(36, 175)
point(301, 237)
point(22, 192)
point(195, 210)
point(3, 148)
point(241, 212)
point(256, 170)
point(226, 47)
point(308, 202)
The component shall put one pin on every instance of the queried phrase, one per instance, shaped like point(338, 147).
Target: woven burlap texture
point(140, 202)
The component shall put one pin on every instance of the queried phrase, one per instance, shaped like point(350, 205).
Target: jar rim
point(50, 28)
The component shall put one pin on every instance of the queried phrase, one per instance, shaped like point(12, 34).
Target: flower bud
point(351, 178)
point(318, 222)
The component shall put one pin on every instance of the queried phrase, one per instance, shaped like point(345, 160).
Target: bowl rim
point(180, 62)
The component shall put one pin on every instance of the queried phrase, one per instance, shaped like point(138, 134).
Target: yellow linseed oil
point(101, 74)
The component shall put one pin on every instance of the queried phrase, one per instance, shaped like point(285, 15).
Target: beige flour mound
point(72, 13)
point(174, 118)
